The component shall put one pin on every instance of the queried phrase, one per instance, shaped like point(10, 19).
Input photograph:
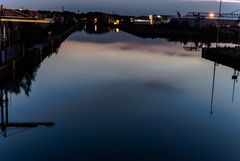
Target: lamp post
point(220, 8)
point(218, 24)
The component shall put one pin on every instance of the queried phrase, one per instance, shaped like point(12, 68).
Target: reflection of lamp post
point(234, 78)
point(213, 87)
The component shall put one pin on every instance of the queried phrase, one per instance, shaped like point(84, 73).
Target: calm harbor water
point(115, 96)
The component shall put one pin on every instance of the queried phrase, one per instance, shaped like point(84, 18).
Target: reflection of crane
point(235, 79)
point(213, 87)
point(225, 56)
point(19, 127)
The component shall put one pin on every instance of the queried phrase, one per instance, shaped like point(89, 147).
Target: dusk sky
point(131, 7)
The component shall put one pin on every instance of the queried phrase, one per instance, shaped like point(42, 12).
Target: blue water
point(115, 96)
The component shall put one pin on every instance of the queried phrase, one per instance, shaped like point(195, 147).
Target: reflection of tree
point(28, 64)
point(21, 80)
point(24, 81)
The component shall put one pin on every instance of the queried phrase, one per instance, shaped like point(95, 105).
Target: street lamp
point(218, 24)
point(211, 15)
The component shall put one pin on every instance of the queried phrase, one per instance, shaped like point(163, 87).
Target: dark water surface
point(118, 97)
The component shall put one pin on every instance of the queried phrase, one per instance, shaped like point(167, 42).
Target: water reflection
point(96, 29)
point(21, 81)
point(225, 56)
point(116, 95)
point(9, 128)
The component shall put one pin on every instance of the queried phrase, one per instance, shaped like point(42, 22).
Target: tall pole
point(218, 24)
point(220, 8)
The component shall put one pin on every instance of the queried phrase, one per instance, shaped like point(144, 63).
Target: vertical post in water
point(13, 65)
point(14, 68)
point(4, 35)
point(9, 37)
point(4, 42)
point(0, 43)
point(52, 46)
point(41, 52)
point(6, 107)
point(0, 36)
point(23, 50)
point(2, 112)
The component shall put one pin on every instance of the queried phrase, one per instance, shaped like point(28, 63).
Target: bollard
point(9, 37)
point(23, 51)
point(52, 47)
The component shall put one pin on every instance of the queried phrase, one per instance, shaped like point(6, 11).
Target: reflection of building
point(19, 78)
point(226, 56)
point(96, 28)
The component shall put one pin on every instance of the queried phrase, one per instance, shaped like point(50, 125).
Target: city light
point(116, 22)
point(25, 20)
point(211, 15)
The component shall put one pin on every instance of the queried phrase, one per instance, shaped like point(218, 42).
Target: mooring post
point(6, 106)
point(4, 35)
point(0, 36)
point(2, 106)
point(9, 37)
point(0, 43)
point(23, 50)
point(4, 40)
point(52, 46)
